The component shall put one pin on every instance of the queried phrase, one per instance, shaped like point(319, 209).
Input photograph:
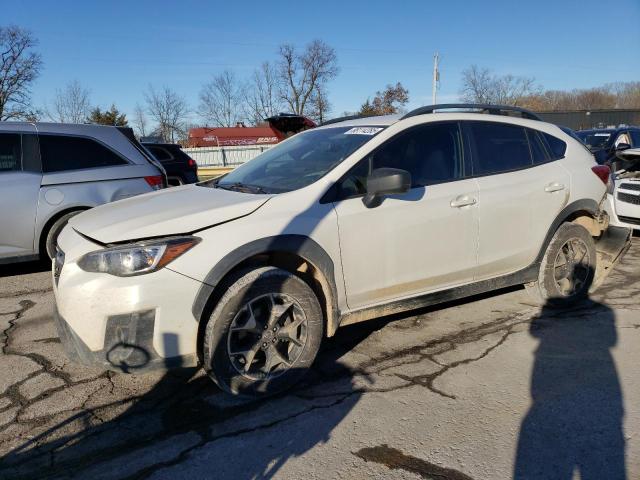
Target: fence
point(225, 156)
point(585, 119)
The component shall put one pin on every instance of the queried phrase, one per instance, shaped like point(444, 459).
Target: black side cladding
point(299, 245)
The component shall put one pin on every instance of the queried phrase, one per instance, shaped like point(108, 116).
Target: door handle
point(462, 201)
point(554, 187)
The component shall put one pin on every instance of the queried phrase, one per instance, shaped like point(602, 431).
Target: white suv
point(356, 219)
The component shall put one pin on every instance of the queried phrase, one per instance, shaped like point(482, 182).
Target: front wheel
point(263, 334)
point(568, 268)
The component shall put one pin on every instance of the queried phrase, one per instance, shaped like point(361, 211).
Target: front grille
point(630, 186)
point(631, 220)
point(629, 198)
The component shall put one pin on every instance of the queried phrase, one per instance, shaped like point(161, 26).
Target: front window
point(298, 162)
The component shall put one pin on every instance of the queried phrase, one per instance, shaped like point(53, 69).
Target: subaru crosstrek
point(356, 219)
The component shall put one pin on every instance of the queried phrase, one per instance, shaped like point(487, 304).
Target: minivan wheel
point(263, 334)
point(51, 241)
point(568, 268)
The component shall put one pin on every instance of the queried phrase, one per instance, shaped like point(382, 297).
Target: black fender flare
point(584, 205)
point(300, 245)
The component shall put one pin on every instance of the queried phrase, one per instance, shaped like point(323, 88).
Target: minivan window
point(10, 152)
point(499, 147)
point(430, 153)
point(557, 147)
point(60, 153)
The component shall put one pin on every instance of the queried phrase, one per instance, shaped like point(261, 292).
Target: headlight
point(136, 258)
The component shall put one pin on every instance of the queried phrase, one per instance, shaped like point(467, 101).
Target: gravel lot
point(491, 387)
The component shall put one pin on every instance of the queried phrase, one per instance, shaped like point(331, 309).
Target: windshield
point(298, 162)
point(594, 140)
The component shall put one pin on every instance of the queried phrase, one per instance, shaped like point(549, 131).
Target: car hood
point(172, 211)
point(628, 159)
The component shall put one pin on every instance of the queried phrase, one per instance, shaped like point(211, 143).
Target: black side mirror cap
point(385, 181)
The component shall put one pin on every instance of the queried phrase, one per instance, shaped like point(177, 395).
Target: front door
point(417, 242)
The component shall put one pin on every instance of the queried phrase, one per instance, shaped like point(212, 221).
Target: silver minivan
point(50, 172)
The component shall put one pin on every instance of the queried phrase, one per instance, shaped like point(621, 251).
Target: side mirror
point(385, 181)
point(622, 146)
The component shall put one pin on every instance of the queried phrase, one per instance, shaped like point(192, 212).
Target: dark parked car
point(603, 142)
point(180, 167)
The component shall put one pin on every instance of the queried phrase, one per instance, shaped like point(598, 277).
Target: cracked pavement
point(490, 387)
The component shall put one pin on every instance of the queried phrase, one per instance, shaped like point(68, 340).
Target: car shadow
point(23, 268)
point(575, 424)
point(125, 438)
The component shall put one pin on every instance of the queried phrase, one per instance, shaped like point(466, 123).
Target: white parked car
point(623, 200)
point(353, 220)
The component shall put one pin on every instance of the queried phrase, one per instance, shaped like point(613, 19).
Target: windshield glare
point(298, 162)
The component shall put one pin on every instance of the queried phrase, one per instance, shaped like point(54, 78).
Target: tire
point(51, 240)
point(262, 353)
point(567, 269)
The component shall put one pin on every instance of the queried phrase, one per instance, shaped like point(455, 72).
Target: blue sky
point(117, 48)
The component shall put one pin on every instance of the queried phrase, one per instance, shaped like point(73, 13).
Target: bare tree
point(480, 85)
point(319, 105)
point(627, 94)
point(221, 100)
point(301, 74)
point(71, 104)
point(262, 98)
point(169, 110)
point(19, 67)
point(139, 121)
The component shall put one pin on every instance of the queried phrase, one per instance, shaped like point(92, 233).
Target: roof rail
point(344, 119)
point(483, 107)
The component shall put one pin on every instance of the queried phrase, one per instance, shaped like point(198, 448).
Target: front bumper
point(128, 345)
point(123, 323)
point(631, 219)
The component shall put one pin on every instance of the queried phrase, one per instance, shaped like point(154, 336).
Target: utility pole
point(436, 78)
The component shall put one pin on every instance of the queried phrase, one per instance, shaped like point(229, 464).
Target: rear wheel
point(568, 268)
point(263, 334)
point(51, 240)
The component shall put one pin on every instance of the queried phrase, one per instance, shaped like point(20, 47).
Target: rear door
point(20, 180)
point(421, 241)
point(516, 197)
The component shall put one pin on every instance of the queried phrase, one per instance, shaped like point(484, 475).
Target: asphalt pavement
point(490, 387)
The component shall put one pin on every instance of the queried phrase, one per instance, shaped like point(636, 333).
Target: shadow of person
point(575, 422)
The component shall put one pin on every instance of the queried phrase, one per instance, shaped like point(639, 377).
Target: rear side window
point(10, 152)
point(538, 151)
point(557, 148)
point(635, 138)
point(61, 153)
point(160, 153)
point(499, 147)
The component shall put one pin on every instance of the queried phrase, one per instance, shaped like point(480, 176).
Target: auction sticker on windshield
point(363, 131)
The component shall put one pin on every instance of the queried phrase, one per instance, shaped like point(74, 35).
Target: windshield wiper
point(241, 187)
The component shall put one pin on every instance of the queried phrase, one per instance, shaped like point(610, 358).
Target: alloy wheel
point(571, 268)
point(267, 336)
